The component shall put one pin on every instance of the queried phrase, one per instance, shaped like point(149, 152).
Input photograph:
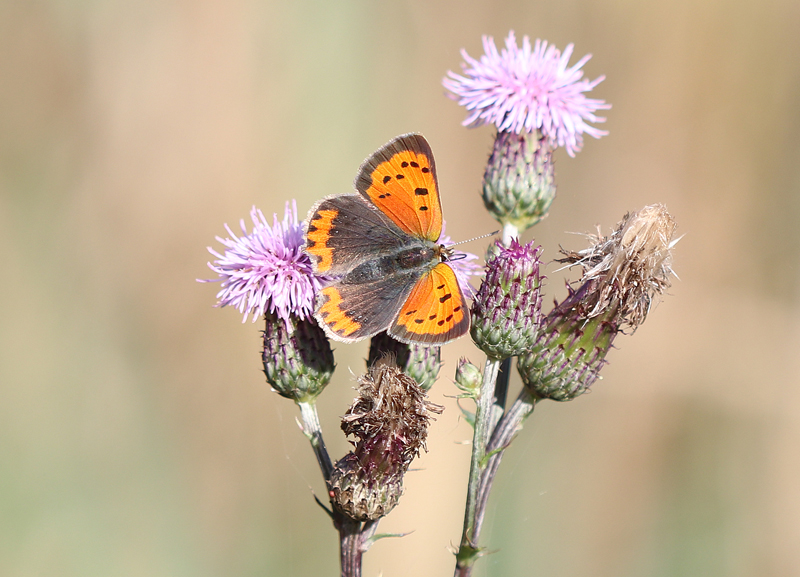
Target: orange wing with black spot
point(400, 179)
point(344, 231)
point(435, 312)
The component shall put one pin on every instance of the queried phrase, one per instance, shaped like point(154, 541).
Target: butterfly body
point(381, 246)
point(407, 261)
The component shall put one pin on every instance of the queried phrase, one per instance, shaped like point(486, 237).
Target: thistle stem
point(509, 231)
point(353, 537)
point(313, 431)
point(467, 552)
point(510, 424)
point(500, 393)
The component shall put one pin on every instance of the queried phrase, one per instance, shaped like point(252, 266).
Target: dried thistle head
point(631, 266)
point(389, 423)
point(622, 274)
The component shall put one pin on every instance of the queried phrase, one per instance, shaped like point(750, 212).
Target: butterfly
point(381, 247)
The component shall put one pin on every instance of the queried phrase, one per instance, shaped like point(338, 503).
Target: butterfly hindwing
point(345, 230)
point(350, 312)
point(400, 179)
point(435, 311)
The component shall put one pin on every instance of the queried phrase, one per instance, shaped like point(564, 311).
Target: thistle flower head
point(519, 180)
point(570, 350)
point(468, 378)
point(630, 267)
point(528, 89)
point(266, 269)
point(297, 357)
point(389, 422)
point(622, 275)
point(506, 310)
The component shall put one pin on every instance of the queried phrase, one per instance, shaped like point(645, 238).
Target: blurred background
point(137, 434)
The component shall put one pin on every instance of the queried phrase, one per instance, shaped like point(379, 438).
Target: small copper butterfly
point(381, 247)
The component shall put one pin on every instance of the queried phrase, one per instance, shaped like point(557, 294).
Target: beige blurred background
point(137, 434)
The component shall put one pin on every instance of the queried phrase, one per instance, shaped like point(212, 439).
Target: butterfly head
point(448, 253)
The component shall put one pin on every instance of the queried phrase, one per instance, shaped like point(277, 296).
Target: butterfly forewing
point(400, 179)
point(344, 231)
point(435, 312)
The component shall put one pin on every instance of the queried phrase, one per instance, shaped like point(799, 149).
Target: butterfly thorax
point(404, 261)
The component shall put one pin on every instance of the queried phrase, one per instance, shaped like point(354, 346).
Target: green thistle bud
point(298, 360)
point(389, 421)
point(518, 184)
point(506, 311)
point(420, 362)
point(622, 274)
point(468, 378)
point(570, 351)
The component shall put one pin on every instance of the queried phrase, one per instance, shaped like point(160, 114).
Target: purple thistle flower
point(464, 266)
point(523, 90)
point(267, 269)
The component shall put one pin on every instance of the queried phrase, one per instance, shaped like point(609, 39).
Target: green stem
point(489, 412)
point(500, 393)
point(504, 433)
point(508, 426)
point(313, 432)
point(509, 231)
point(467, 552)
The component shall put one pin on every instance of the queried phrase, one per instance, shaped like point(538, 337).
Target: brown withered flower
point(631, 266)
point(622, 274)
point(389, 422)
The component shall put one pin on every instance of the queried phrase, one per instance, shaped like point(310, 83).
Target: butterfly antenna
point(476, 238)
